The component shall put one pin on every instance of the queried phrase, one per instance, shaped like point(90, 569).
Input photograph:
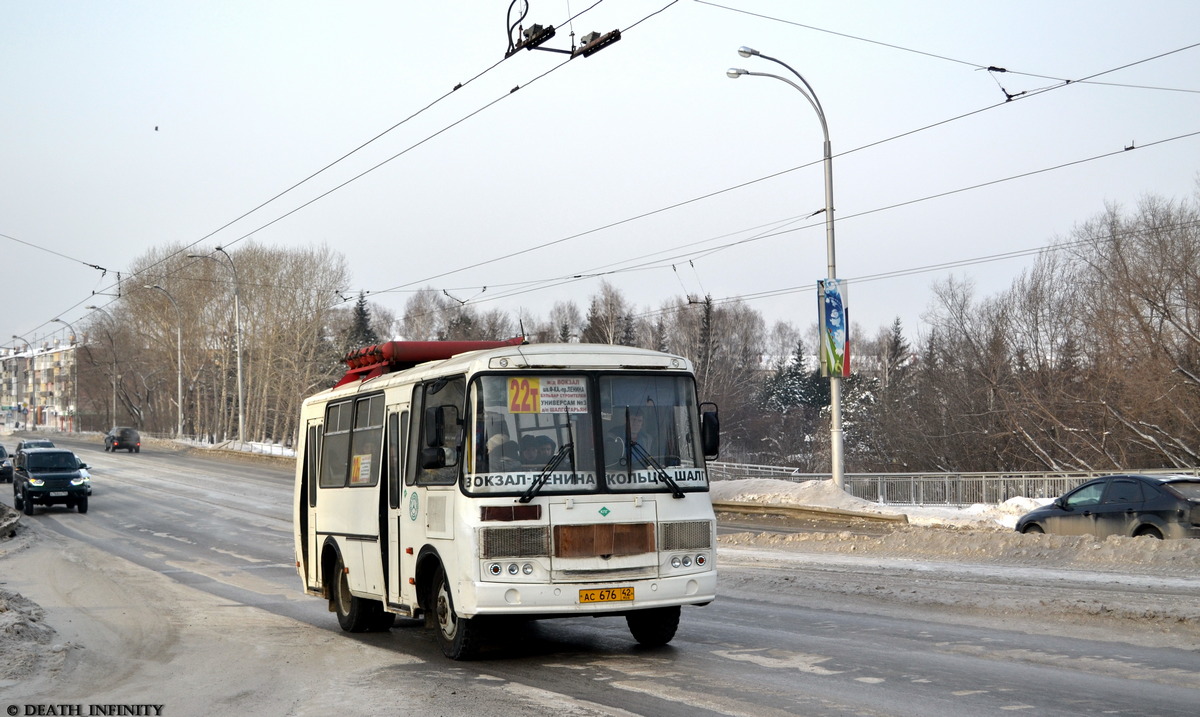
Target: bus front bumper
point(567, 599)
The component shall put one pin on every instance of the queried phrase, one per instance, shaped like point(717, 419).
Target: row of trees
point(1091, 360)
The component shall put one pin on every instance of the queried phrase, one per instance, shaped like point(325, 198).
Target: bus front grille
point(524, 542)
point(690, 535)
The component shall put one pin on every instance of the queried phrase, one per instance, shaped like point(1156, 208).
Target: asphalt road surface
point(178, 588)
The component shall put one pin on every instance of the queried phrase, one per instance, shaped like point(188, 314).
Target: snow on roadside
point(824, 494)
point(977, 533)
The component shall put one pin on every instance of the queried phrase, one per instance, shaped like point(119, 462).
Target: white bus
point(465, 481)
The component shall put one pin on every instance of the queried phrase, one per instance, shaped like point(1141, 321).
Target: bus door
point(430, 477)
point(312, 463)
point(399, 565)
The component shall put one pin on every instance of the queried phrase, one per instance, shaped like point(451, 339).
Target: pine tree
point(360, 333)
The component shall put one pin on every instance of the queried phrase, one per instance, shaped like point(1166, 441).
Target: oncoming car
point(6, 468)
point(49, 476)
point(1157, 506)
point(33, 443)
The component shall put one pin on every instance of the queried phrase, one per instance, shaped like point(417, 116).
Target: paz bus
point(461, 482)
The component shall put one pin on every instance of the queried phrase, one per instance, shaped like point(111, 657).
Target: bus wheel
point(355, 614)
point(654, 627)
point(458, 636)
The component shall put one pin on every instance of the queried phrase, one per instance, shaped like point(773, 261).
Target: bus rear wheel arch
point(354, 614)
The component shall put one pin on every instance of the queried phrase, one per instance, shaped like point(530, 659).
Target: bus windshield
point(572, 434)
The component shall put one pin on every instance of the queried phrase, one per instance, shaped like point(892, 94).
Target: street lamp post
point(112, 342)
point(837, 458)
point(237, 328)
point(33, 382)
point(178, 358)
point(75, 360)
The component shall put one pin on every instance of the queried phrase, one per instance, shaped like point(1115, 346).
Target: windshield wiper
point(637, 451)
point(540, 481)
point(634, 450)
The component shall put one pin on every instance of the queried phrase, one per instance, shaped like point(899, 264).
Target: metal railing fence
point(954, 489)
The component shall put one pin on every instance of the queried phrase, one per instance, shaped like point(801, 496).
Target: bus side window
point(437, 443)
point(311, 464)
point(335, 453)
point(396, 430)
point(413, 439)
point(366, 442)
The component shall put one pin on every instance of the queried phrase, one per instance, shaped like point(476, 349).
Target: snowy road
point(177, 588)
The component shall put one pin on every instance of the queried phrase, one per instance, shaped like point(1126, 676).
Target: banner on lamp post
point(835, 328)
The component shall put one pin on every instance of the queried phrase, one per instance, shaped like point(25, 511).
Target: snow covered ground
point(823, 494)
point(966, 566)
point(974, 534)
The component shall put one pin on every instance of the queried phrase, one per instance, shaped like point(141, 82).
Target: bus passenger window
point(335, 455)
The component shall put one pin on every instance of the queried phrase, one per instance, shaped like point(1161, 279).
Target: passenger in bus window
point(503, 454)
point(536, 451)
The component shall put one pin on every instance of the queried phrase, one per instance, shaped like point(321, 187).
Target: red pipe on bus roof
point(371, 361)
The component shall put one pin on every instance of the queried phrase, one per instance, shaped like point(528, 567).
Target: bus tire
point(354, 614)
point(654, 627)
point(458, 637)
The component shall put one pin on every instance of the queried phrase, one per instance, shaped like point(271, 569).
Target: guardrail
point(956, 489)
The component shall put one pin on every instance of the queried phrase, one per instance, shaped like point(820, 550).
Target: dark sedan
point(1158, 506)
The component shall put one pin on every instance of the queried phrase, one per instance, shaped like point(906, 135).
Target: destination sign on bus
point(560, 481)
point(564, 394)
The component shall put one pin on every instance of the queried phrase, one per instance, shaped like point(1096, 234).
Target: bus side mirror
point(433, 458)
point(435, 426)
point(710, 431)
point(435, 453)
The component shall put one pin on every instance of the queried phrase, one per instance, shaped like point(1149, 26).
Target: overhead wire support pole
point(113, 345)
point(178, 358)
point(836, 449)
point(75, 361)
point(237, 327)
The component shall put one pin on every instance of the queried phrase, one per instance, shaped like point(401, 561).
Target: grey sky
point(129, 124)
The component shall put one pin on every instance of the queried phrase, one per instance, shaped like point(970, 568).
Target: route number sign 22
point(547, 394)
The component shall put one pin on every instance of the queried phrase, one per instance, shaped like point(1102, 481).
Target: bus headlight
point(527, 569)
point(513, 569)
point(494, 568)
point(675, 561)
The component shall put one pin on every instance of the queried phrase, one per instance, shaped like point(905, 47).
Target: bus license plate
point(606, 595)
point(58, 494)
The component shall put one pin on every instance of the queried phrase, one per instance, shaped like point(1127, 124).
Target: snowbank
point(976, 534)
point(824, 494)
